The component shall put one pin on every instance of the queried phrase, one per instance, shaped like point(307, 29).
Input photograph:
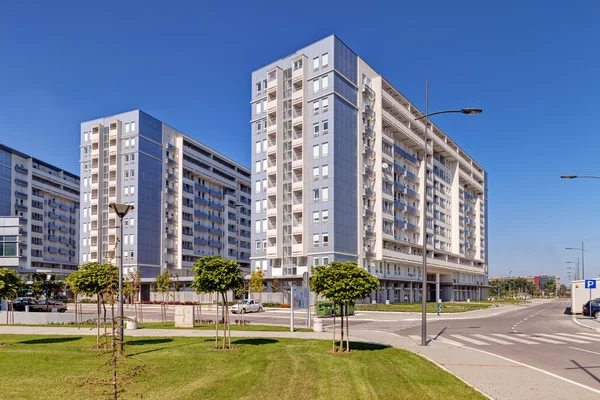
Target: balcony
point(213, 243)
point(368, 213)
point(52, 215)
point(297, 117)
point(171, 191)
point(411, 176)
point(21, 182)
point(297, 163)
point(21, 195)
point(21, 169)
point(216, 218)
point(368, 131)
point(201, 201)
point(271, 212)
point(400, 224)
point(369, 253)
point(410, 192)
point(215, 231)
point(271, 191)
point(411, 227)
point(272, 232)
point(170, 205)
point(272, 251)
point(368, 91)
point(215, 193)
point(297, 207)
point(171, 177)
point(370, 234)
point(368, 171)
point(52, 203)
point(53, 238)
point(215, 205)
point(400, 206)
point(20, 207)
point(297, 229)
point(411, 210)
point(271, 169)
point(297, 248)
point(201, 228)
point(297, 140)
point(201, 214)
point(298, 184)
point(368, 192)
point(201, 188)
point(368, 111)
point(170, 161)
point(201, 241)
point(272, 147)
point(368, 151)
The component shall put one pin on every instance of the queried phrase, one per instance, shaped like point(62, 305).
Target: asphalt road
point(542, 336)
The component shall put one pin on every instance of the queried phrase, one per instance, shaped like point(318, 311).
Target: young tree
point(177, 286)
point(276, 286)
point(162, 284)
point(257, 281)
point(10, 283)
point(47, 285)
point(342, 283)
point(216, 274)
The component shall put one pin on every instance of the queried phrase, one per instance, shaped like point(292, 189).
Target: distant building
point(45, 200)
point(537, 280)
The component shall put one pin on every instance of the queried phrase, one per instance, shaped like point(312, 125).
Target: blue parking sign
point(590, 284)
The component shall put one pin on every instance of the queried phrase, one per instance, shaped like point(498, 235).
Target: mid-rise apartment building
point(337, 166)
point(189, 201)
point(45, 198)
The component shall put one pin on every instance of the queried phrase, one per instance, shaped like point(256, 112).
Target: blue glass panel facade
point(149, 209)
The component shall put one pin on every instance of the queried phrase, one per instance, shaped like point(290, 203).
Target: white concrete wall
point(580, 295)
point(41, 318)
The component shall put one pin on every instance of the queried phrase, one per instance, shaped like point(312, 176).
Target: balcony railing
point(21, 169)
point(21, 182)
point(201, 188)
point(21, 195)
point(20, 207)
point(201, 228)
point(216, 218)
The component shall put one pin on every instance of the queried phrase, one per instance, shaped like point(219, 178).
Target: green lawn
point(431, 307)
point(60, 367)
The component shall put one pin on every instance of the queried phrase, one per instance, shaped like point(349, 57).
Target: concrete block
point(184, 316)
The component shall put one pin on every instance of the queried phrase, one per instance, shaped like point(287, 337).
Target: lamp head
point(471, 111)
point(568, 176)
point(120, 209)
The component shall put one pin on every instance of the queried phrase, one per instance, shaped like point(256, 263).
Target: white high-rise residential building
point(46, 201)
point(337, 165)
point(189, 201)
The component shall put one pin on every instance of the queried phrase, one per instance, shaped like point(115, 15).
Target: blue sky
point(532, 66)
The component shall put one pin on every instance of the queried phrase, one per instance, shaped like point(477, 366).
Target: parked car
point(49, 305)
point(247, 306)
point(20, 302)
point(595, 309)
point(60, 298)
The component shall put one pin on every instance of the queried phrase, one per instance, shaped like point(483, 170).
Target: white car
point(247, 306)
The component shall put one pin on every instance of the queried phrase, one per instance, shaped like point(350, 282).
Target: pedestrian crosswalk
point(511, 339)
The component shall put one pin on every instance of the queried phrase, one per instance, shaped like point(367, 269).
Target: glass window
point(316, 261)
point(264, 225)
point(316, 107)
point(257, 165)
point(133, 130)
point(316, 194)
point(264, 145)
point(315, 217)
point(264, 204)
point(257, 226)
point(257, 187)
point(316, 151)
point(264, 164)
point(258, 87)
point(325, 260)
point(325, 215)
point(315, 86)
point(132, 190)
point(264, 247)
point(258, 245)
point(316, 239)
point(325, 149)
point(325, 194)
point(325, 171)
point(315, 173)
point(325, 104)
point(325, 126)
point(325, 82)
point(316, 63)
point(127, 127)
point(258, 107)
point(325, 59)
point(258, 147)
point(264, 185)
point(316, 128)
point(325, 240)
point(257, 206)
point(131, 222)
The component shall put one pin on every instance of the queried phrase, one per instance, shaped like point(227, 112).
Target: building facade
point(189, 201)
point(337, 162)
point(46, 201)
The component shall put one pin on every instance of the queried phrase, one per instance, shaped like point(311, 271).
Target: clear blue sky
point(531, 65)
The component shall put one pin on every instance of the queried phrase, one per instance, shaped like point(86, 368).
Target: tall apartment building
point(337, 165)
point(46, 200)
point(189, 201)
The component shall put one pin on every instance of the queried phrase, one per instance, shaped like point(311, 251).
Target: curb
point(574, 319)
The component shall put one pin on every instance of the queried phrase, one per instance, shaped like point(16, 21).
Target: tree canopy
point(94, 279)
point(10, 283)
point(257, 281)
point(216, 274)
point(343, 282)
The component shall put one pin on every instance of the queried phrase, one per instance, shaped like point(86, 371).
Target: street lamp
point(121, 210)
point(579, 177)
point(576, 269)
point(467, 111)
point(582, 262)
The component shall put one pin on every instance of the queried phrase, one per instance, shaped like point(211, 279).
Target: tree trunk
point(217, 325)
point(347, 331)
point(342, 329)
point(333, 344)
point(224, 322)
point(98, 320)
point(105, 331)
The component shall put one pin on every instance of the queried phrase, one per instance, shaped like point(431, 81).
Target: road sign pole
point(292, 308)
point(590, 303)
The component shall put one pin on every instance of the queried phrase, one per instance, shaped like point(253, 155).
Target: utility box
point(580, 295)
point(184, 316)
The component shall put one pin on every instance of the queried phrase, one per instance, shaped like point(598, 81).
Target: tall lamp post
point(121, 210)
point(582, 262)
point(468, 111)
point(576, 268)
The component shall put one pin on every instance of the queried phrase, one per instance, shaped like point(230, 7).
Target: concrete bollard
point(387, 302)
point(132, 324)
point(26, 308)
point(318, 325)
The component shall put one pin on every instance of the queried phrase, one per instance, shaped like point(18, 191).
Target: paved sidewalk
point(586, 322)
point(495, 376)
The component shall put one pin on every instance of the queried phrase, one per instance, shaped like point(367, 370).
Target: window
point(325, 215)
point(258, 147)
point(325, 149)
point(264, 105)
point(316, 261)
point(131, 255)
point(315, 240)
point(132, 157)
point(132, 173)
point(133, 130)
point(325, 126)
point(126, 190)
point(264, 247)
point(125, 239)
point(325, 104)
point(325, 260)
point(84, 225)
point(264, 204)
point(315, 173)
point(258, 107)
point(258, 87)
point(264, 164)
point(126, 174)
point(325, 192)
point(85, 212)
point(316, 195)
point(264, 145)
point(315, 86)
point(257, 169)
point(85, 197)
point(316, 151)
point(131, 222)
point(325, 171)
point(264, 185)
point(126, 143)
point(126, 222)
point(315, 63)
point(315, 217)
point(325, 59)
point(127, 127)
point(257, 245)
point(258, 125)
point(132, 190)
point(325, 240)
point(325, 82)
point(131, 239)
point(316, 107)
point(257, 206)
point(85, 182)
point(257, 226)
point(264, 225)
point(316, 128)
point(297, 64)
point(257, 187)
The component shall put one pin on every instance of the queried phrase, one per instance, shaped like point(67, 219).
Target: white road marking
point(587, 351)
point(491, 339)
point(588, 334)
point(563, 338)
point(539, 339)
point(516, 339)
point(474, 341)
point(593, 339)
point(445, 340)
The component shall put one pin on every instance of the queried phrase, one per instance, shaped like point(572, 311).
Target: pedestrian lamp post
point(121, 210)
point(468, 111)
point(582, 263)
